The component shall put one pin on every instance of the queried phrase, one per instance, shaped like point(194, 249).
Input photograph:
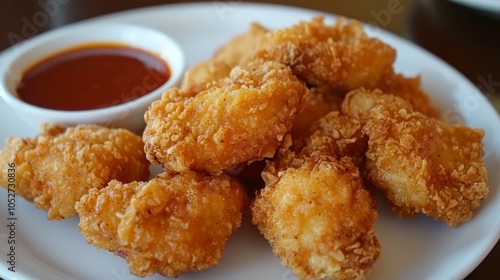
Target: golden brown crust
point(421, 164)
point(14, 154)
point(345, 135)
point(340, 57)
point(318, 218)
point(57, 167)
point(237, 120)
point(170, 225)
point(314, 210)
point(97, 211)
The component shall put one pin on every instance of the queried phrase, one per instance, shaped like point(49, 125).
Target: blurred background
point(466, 37)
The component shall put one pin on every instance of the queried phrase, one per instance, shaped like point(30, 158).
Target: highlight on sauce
point(92, 76)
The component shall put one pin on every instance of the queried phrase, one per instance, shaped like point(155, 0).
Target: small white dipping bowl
point(129, 115)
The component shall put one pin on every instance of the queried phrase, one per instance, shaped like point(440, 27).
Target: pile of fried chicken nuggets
point(317, 110)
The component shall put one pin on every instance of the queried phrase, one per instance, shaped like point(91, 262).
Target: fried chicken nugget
point(170, 225)
point(421, 164)
point(340, 57)
point(237, 120)
point(57, 167)
point(317, 216)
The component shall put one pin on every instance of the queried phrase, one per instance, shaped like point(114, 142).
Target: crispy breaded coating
point(170, 225)
point(421, 164)
point(340, 57)
point(57, 167)
point(14, 153)
point(343, 133)
point(98, 211)
point(237, 120)
point(237, 52)
point(317, 216)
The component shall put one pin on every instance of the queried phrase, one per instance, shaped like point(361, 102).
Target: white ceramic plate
point(419, 248)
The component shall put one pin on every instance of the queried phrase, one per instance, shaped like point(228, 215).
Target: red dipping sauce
point(92, 76)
